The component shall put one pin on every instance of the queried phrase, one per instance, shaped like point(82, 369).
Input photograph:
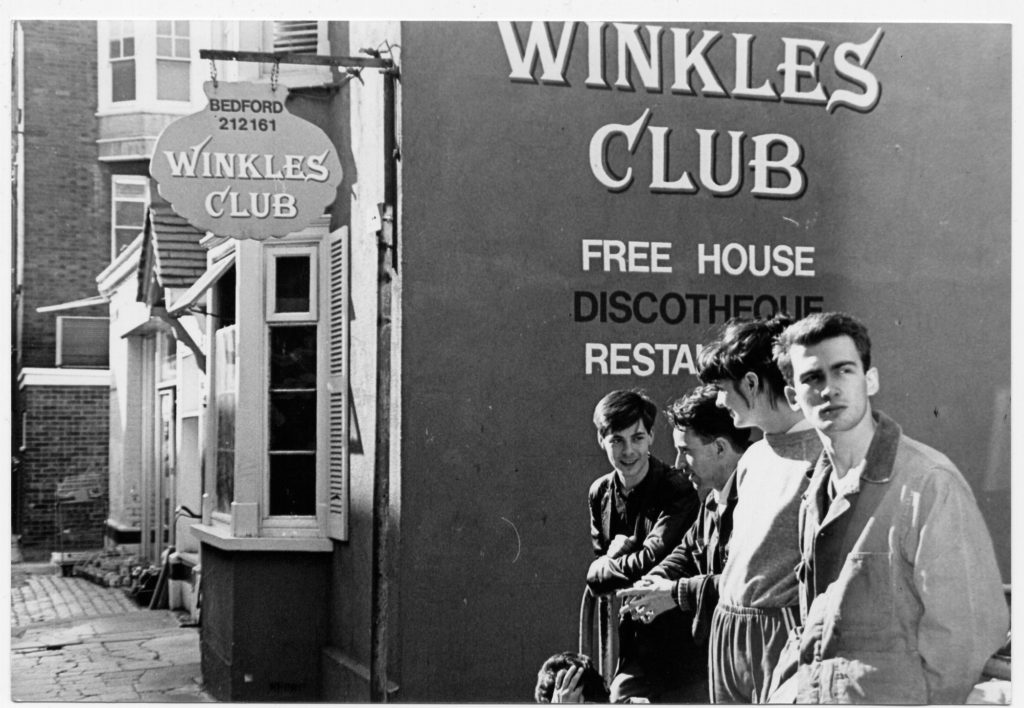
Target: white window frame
point(124, 179)
point(248, 525)
point(173, 57)
point(146, 100)
point(271, 253)
point(111, 61)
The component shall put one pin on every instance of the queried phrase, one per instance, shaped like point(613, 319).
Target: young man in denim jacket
point(901, 597)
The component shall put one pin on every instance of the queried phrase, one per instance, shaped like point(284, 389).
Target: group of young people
point(835, 559)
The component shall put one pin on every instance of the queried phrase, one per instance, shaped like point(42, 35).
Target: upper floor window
point(150, 65)
point(172, 60)
point(122, 60)
point(130, 195)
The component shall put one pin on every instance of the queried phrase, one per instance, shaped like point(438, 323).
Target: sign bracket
point(293, 58)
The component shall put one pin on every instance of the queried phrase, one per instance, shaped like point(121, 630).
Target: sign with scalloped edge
point(244, 166)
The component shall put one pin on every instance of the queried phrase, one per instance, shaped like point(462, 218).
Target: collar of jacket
point(727, 497)
point(882, 451)
point(656, 469)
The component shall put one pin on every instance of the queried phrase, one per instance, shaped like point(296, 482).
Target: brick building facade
point(61, 215)
point(65, 496)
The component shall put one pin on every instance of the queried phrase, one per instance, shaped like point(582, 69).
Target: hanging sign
point(244, 166)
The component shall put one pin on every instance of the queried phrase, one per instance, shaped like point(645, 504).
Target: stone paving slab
point(72, 640)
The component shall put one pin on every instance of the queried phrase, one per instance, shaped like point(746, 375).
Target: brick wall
point(66, 438)
point(67, 190)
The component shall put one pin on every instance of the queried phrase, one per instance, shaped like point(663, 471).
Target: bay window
point(151, 66)
point(278, 466)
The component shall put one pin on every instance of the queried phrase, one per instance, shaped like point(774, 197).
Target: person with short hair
point(757, 604)
point(899, 588)
point(708, 448)
point(639, 512)
point(569, 677)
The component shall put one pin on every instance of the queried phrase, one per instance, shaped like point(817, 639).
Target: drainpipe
point(387, 250)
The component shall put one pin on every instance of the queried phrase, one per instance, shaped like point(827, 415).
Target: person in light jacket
point(900, 594)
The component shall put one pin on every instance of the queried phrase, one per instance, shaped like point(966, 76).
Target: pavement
point(74, 640)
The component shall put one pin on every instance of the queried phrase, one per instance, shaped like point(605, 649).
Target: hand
point(600, 570)
point(649, 597)
point(621, 545)
point(567, 686)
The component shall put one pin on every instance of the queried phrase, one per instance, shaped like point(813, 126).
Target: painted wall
point(356, 127)
point(904, 214)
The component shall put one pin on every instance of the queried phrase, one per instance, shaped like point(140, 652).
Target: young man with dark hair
point(569, 677)
point(639, 512)
point(899, 586)
point(758, 602)
point(708, 448)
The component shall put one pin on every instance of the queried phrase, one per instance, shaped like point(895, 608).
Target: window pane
point(123, 238)
point(225, 298)
point(293, 421)
point(168, 364)
point(137, 190)
point(181, 28)
point(130, 214)
point(128, 47)
point(163, 27)
point(292, 485)
point(181, 47)
point(115, 48)
point(225, 382)
point(123, 80)
point(293, 357)
point(292, 284)
point(163, 47)
point(172, 80)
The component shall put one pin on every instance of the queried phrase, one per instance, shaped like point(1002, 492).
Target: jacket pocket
point(860, 602)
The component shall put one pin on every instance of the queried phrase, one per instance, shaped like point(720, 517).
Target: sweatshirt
point(764, 550)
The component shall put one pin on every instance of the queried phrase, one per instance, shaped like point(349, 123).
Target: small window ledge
point(220, 537)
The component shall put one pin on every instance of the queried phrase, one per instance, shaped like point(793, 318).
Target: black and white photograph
point(539, 354)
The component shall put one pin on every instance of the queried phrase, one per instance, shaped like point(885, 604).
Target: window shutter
point(296, 36)
point(83, 342)
point(337, 388)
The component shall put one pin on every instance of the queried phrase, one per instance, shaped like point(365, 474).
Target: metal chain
point(273, 75)
point(213, 72)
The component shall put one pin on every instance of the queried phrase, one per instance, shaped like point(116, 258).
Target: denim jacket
point(901, 596)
